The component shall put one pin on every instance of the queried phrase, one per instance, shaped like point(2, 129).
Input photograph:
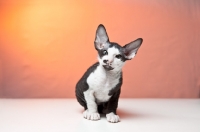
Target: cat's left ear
point(101, 40)
point(130, 50)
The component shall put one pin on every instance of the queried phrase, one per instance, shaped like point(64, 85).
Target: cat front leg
point(91, 112)
point(111, 108)
point(112, 117)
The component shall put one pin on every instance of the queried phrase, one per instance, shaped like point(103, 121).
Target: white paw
point(111, 117)
point(91, 115)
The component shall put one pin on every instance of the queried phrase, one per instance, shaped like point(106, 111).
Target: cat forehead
point(113, 50)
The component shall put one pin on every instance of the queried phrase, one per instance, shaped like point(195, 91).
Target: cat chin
point(107, 67)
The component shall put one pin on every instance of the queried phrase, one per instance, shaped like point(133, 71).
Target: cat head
point(111, 55)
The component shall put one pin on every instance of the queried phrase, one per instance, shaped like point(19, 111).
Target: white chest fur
point(101, 82)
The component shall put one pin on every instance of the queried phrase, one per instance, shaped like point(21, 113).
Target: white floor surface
point(65, 115)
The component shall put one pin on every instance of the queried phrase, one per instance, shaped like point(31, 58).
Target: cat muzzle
point(108, 68)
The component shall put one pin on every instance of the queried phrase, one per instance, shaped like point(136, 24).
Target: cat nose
point(105, 61)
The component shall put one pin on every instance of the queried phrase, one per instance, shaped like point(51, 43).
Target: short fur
point(99, 88)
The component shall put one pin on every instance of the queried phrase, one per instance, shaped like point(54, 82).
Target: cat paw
point(111, 117)
point(91, 115)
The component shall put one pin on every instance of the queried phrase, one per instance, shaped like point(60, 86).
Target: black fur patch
point(101, 52)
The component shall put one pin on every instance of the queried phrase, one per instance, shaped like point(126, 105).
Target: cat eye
point(118, 56)
point(105, 52)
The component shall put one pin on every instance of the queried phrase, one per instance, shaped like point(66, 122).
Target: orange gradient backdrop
point(47, 45)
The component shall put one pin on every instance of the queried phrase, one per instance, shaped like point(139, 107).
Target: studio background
point(47, 45)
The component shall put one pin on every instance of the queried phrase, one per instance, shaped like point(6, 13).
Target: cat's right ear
point(101, 40)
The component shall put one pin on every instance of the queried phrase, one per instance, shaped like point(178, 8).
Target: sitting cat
point(99, 88)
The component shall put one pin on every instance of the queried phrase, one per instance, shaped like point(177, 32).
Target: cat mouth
point(108, 68)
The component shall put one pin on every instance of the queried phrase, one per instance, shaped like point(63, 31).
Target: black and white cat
point(99, 89)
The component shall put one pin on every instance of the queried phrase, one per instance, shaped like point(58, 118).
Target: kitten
point(99, 89)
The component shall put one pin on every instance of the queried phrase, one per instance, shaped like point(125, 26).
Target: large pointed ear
point(101, 40)
point(131, 49)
